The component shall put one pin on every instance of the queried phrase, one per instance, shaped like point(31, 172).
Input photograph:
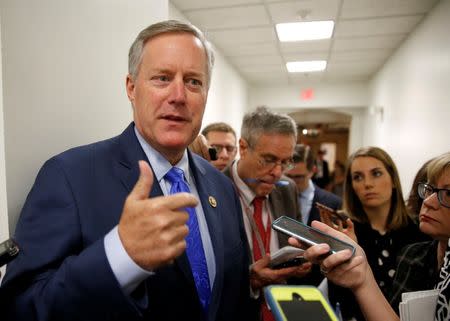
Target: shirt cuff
point(127, 272)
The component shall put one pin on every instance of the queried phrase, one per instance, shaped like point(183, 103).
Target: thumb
point(144, 184)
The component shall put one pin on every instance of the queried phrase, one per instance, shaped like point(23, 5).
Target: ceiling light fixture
point(306, 66)
point(300, 31)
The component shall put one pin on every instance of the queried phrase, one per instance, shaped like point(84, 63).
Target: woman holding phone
point(380, 222)
point(356, 273)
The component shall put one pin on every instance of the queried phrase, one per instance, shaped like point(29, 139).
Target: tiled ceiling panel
point(366, 34)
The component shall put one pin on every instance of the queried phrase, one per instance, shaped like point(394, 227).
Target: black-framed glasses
point(229, 148)
point(443, 194)
point(266, 162)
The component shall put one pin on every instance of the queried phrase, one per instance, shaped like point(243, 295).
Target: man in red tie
point(266, 148)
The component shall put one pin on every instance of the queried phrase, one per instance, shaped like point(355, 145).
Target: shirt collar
point(308, 193)
point(159, 164)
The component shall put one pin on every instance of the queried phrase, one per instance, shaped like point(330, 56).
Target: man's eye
point(194, 82)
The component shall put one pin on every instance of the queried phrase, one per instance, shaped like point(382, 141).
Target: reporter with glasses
point(414, 272)
point(266, 148)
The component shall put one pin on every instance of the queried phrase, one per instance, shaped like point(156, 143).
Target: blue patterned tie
point(194, 249)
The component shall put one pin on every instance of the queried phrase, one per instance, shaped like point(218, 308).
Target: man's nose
point(178, 91)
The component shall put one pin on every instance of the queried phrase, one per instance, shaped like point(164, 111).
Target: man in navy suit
point(100, 236)
point(308, 192)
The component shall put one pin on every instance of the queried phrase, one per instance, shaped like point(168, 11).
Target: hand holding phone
point(8, 251)
point(286, 257)
point(331, 217)
point(309, 235)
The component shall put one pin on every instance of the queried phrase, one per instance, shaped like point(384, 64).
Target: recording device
point(309, 235)
point(212, 153)
point(286, 257)
point(335, 216)
point(8, 251)
point(298, 303)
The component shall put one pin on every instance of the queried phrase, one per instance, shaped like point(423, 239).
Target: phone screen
point(296, 310)
point(308, 234)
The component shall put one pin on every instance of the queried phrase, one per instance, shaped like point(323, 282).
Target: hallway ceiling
point(366, 34)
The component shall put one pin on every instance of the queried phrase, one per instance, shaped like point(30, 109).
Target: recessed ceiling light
point(299, 31)
point(306, 66)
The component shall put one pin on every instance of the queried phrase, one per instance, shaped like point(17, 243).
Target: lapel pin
point(212, 201)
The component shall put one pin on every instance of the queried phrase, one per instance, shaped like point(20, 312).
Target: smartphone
point(8, 251)
point(309, 235)
point(212, 153)
point(286, 257)
point(298, 303)
point(335, 216)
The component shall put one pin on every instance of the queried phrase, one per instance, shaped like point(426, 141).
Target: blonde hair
point(398, 215)
point(437, 167)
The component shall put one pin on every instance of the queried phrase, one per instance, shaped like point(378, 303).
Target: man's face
point(169, 93)
point(225, 144)
point(300, 175)
point(261, 166)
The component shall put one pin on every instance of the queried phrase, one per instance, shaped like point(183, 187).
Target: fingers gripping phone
point(8, 251)
point(309, 235)
point(298, 303)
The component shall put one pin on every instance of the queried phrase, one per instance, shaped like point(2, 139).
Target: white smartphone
point(286, 257)
point(309, 235)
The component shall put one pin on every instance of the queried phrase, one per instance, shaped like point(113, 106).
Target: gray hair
point(169, 26)
point(263, 121)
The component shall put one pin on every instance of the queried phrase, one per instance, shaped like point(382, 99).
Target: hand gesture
point(153, 230)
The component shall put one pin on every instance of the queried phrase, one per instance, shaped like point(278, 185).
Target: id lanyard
point(263, 248)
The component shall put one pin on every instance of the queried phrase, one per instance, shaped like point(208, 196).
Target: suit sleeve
point(57, 276)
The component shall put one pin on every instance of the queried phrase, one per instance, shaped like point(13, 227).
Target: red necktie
point(257, 255)
point(257, 216)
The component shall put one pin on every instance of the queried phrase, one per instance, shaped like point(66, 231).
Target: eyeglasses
point(286, 165)
point(443, 194)
point(230, 149)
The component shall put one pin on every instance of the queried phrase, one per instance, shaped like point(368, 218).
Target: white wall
point(227, 99)
point(64, 67)
point(413, 89)
point(4, 233)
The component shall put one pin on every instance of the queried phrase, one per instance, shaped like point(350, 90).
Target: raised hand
point(153, 230)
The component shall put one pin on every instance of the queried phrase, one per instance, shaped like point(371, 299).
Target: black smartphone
point(212, 153)
point(8, 251)
point(309, 235)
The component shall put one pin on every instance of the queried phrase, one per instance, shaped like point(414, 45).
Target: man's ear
point(130, 88)
point(243, 147)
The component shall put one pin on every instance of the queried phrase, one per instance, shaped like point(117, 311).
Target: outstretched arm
point(352, 272)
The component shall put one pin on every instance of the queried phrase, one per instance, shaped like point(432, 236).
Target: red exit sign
point(307, 94)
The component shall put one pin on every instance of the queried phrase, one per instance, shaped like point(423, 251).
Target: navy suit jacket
point(62, 272)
